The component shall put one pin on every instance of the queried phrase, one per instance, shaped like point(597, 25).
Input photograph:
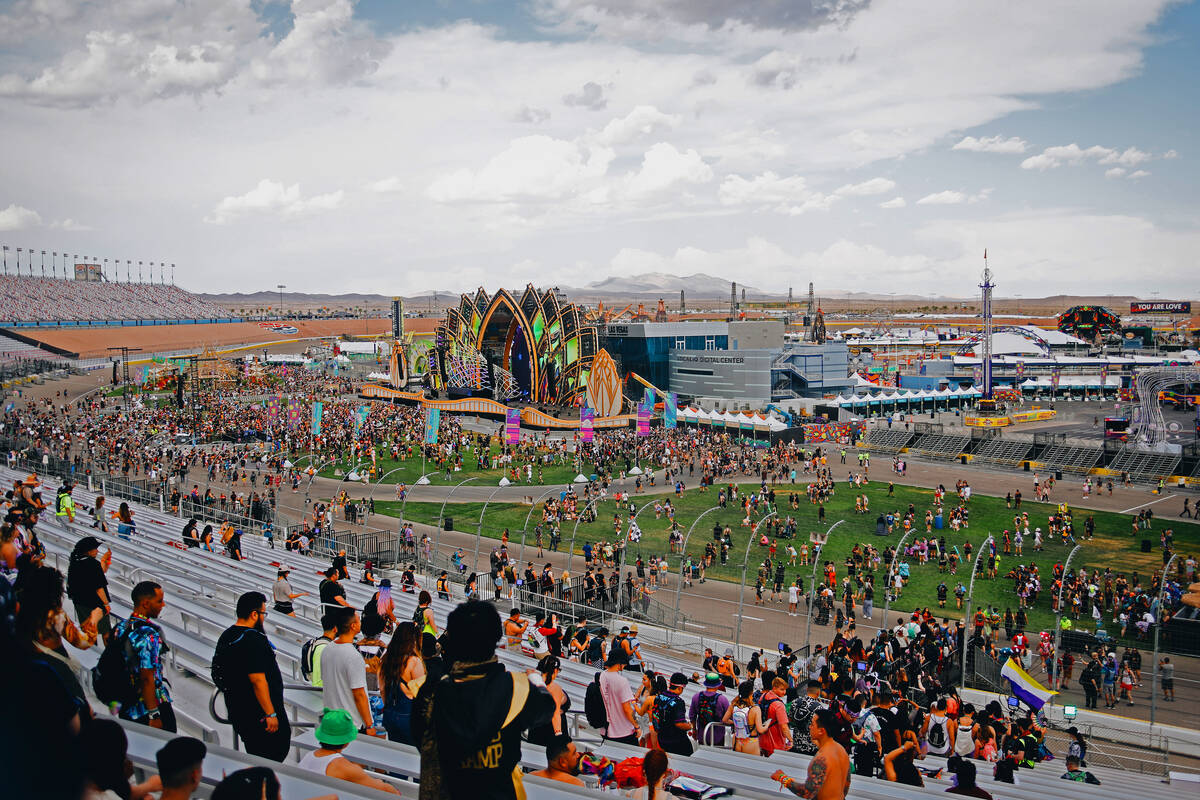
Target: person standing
point(618, 700)
point(1166, 673)
point(670, 718)
point(333, 595)
point(343, 673)
point(1089, 679)
point(153, 704)
point(244, 668)
point(283, 594)
point(86, 581)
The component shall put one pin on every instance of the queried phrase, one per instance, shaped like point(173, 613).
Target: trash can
point(962, 458)
point(1027, 466)
point(1146, 545)
point(1058, 474)
point(449, 524)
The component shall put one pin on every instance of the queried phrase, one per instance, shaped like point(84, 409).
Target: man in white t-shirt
point(343, 672)
point(618, 701)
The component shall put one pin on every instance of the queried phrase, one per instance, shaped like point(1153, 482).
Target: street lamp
point(887, 589)
point(571, 551)
point(442, 513)
point(1062, 582)
point(1158, 619)
point(281, 287)
point(967, 611)
point(479, 528)
point(683, 555)
point(528, 514)
point(745, 564)
point(625, 544)
point(812, 588)
point(403, 505)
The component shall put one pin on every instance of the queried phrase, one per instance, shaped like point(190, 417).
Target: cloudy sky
point(407, 145)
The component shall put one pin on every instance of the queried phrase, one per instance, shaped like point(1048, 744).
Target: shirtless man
point(514, 629)
point(829, 770)
point(562, 762)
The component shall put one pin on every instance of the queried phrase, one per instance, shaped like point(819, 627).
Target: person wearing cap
point(87, 584)
point(707, 707)
point(634, 648)
point(670, 718)
point(728, 669)
point(245, 669)
point(180, 767)
point(283, 594)
point(335, 731)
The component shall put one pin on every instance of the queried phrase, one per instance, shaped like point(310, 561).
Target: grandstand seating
point(940, 445)
point(26, 299)
point(1145, 466)
point(888, 440)
point(200, 589)
point(1003, 451)
point(1070, 458)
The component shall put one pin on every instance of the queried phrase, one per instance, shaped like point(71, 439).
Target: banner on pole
point(318, 409)
point(360, 418)
point(670, 410)
point(1054, 379)
point(433, 418)
point(587, 424)
point(1103, 377)
point(512, 426)
point(294, 413)
point(643, 419)
point(648, 397)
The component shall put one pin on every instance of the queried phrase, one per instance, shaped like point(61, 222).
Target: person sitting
point(180, 767)
point(562, 761)
point(1076, 773)
point(964, 778)
point(107, 767)
point(335, 731)
point(191, 536)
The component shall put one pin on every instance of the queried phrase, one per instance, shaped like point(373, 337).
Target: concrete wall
point(741, 375)
point(766, 334)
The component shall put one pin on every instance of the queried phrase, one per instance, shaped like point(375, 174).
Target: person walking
point(146, 647)
point(344, 674)
point(283, 594)
point(245, 670)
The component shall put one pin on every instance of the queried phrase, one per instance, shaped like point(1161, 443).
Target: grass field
point(1113, 545)
point(408, 470)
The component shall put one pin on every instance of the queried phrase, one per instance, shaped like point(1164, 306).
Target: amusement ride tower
point(987, 404)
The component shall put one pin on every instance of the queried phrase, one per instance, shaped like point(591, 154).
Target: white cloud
point(1138, 173)
point(17, 218)
point(1073, 154)
point(590, 96)
point(1131, 157)
point(868, 188)
point(641, 121)
point(992, 144)
point(664, 167)
point(385, 185)
point(783, 195)
point(70, 225)
point(531, 168)
point(951, 197)
point(895, 202)
point(1170, 154)
point(1115, 172)
point(272, 197)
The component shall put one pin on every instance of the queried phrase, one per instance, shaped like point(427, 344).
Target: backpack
point(665, 715)
point(112, 677)
point(593, 706)
point(764, 706)
point(595, 650)
point(308, 655)
point(936, 734)
point(629, 773)
point(706, 712)
point(418, 618)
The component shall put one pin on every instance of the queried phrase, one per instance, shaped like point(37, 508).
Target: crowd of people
point(26, 298)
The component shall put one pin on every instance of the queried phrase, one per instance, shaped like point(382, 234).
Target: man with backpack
point(670, 720)
point(130, 671)
point(245, 670)
point(310, 651)
point(707, 707)
point(617, 722)
point(774, 713)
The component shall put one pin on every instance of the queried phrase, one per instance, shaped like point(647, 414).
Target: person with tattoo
point(829, 771)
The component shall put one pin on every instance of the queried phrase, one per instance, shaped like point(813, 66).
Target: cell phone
point(1014, 702)
point(861, 666)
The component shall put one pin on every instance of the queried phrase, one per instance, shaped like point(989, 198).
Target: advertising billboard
point(1161, 307)
point(88, 272)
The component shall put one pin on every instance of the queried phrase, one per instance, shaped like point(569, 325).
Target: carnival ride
point(1089, 322)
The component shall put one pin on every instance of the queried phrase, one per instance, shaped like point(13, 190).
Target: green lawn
point(1113, 545)
point(408, 470)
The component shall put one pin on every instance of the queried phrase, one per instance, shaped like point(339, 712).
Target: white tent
point(581, 478)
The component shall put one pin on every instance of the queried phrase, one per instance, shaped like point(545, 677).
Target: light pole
point(812, 588)
point(1062, 583)
point(887, 589)
point(1158, 620)
point(441, 513)
point(571, 550)
point(281, 287)
point(403, 505)
point(967, 611)
point(683, 556)
point(625, 544)
point(742, 590)
point(525, 528)
point(313, 476)
point(479, 528)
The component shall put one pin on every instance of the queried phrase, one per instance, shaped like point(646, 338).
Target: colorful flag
point(360, 418)
point(587, 424)
point(648, 397)
point(433, 418)
point(977, 373)
point(512, 426)
point(1020, 369)
point(1054, 380)
point(670, 410)
point(318, 410)
point(643, 419)
point(1103, 376)
point(1024, 687)
point(294, 413)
